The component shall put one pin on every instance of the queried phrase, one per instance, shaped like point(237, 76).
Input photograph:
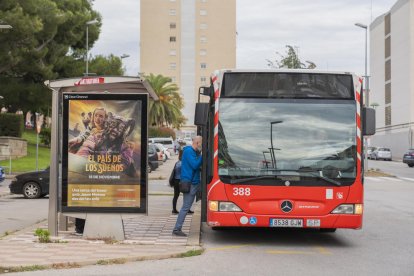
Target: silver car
point(382, 153)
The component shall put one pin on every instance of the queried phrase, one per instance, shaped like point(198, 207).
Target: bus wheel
point(218, 228)
point(327, 230)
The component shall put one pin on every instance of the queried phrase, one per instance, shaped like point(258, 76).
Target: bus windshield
point(304, 141)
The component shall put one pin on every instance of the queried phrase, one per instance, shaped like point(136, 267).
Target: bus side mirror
point(201, 114)
point(368, 121)
point(205, 91)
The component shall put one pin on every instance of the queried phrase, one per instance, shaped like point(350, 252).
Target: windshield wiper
point(247, 179)
point(318, 174)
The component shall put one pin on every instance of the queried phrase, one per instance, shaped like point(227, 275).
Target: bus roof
point(281, 70)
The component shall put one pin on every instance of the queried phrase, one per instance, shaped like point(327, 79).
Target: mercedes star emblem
point(286, 206)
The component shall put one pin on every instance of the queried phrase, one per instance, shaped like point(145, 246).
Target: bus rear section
point(283, 149)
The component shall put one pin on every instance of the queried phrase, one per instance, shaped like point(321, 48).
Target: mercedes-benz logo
point(286, 206)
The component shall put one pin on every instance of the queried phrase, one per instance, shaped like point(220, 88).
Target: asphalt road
point(397, 168)
point(385, 246)
point(17, 212)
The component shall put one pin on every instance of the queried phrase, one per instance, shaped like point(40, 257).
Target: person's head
point(180, 154)
point(99, 118)
point(197, 143)
point(119, 128)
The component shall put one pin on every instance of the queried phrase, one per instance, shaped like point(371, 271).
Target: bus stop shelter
point(116, 92)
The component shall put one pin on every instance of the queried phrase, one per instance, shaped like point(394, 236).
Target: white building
point(392, 77)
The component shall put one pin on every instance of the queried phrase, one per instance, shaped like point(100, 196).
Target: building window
point(203, 79)
point(388, 70)
point(203, 39)
point(172, 39)
point(173, 65)
point(173, 12)
point(388, 47)
point(173, 25)
point(173, 79)
point(203, 26)
point(203, 65)
point(203, 1)
point(388, 93)
point(388, 115)
point(203, 12)
point(203, 52)
point(387, 24)
point(172, 0)
point(173, 52)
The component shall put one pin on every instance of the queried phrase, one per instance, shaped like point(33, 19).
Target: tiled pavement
point(147, 237)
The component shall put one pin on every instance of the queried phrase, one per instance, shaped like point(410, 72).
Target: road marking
point(391, 178)
point(323, 250)
point(289, 252)
point(407, 178)
point(228, 247)
point(375, 179)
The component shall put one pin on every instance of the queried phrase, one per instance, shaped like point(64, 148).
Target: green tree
point(44, 33)
point(74, 66)
point(166, 111)
point(290, 60)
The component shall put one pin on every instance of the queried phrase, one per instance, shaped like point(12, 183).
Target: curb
point(177, 254)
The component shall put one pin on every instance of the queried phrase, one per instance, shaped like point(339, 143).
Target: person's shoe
point(190, 212)
point(175, 212)
point(78, 234)
point(179, 233)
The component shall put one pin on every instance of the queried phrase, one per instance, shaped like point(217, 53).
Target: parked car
point(2, 174)
point(370, 151)
point(382, 153)
point(166, 153)
point(153, 162)
point(167, 142)
point(408, 158)
point(31, 184)
point(160, 154)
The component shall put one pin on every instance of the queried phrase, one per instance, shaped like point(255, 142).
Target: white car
point(167, 142)
point(382, 153)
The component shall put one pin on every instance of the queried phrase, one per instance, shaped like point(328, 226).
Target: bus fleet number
point(241, 191)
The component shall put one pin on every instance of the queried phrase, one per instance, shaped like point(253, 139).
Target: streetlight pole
point(272, 149)
point(87, 43)
point(363, 26)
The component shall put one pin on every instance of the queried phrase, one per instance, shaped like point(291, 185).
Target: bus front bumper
point(240, 219)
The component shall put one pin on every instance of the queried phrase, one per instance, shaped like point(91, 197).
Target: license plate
point(286, 222)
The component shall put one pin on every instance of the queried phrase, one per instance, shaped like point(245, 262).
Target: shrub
point(161, 132)
point(11, 125)
point(43, 235)
point(45, 136)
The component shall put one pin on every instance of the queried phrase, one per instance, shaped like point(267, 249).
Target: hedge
point(161, 132)
point(11, 125)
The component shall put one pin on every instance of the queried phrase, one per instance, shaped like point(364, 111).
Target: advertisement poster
point(104, 152)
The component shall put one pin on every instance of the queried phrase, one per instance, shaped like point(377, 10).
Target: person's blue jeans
point(188, 200)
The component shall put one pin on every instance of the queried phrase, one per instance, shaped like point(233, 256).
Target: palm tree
point(166, 111)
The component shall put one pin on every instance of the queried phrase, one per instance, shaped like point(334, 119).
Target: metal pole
point(54, 167)
point(37, 150)
point(366, 94)
point(87, 48)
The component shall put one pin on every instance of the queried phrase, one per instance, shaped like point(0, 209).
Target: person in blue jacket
point(190, 172)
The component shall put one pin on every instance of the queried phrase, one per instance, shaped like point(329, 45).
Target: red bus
point(283, 148)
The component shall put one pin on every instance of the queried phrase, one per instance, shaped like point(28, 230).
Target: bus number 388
point(241, 191)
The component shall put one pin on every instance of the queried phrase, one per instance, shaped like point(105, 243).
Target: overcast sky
point(323, 31)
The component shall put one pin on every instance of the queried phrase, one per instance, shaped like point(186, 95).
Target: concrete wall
point(17, 147)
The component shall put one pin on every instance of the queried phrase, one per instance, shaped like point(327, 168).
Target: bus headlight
point(348, 209)
point(228, 207)
point(344, 209)
point(223, 206)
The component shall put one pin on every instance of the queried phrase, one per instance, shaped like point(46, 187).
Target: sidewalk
point(146, 237)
